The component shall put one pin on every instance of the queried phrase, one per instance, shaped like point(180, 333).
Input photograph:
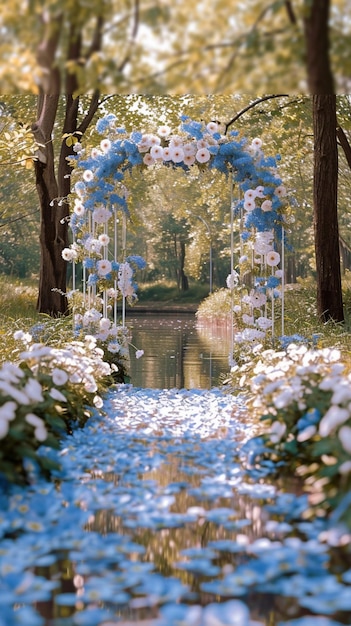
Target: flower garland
point(100, 196)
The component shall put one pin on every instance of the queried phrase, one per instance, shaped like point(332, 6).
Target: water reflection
point(178, 352)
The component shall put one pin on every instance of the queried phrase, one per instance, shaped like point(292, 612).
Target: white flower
point(345, 468)
point(212, 127)
point(68, 254)
point(284, 398)
point(249, 205)
point(10, 372)
point(266, 205)
point(104, 267)
point(4, 428)
point(248, 319)
point(278, 429)
point(95, 152)
point(164, 131)
point(167, 154)
point(177, 154)
point(105, 323)
point(92, 245)
point(243, 259)
point(40, 433)
point(59, 377)
point(105, 145)
point(237, 308)
point(79, 208)
point(345, 438)
point(113, 347)
point(263, 322)
point(260, 191)
point(203, 155)
point(250, 194)
point(279, 273)
point(342, 393)
point(201, 143)
point(306, 433)
point(139, 353)
point(77, 147)
point(33, 390)
point(331, 419)
point(256, 143)
point(34, 420)
point(189, 149)
point(257, 300)
point(272, 258)
point(90, 386)
point(280, 191)
point(232, 279)
point(20, 335)
point(156, 152)
point(57, 395)
point(8, 411)
point(101, 215)
point(104, 239)
point(98, 402)
point(148, 160)
point(88, 175)
point(189, 159)
point(154, 140)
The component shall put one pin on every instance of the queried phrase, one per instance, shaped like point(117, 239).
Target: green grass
point(168, 293)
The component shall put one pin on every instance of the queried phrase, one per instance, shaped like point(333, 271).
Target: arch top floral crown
point(100, 196)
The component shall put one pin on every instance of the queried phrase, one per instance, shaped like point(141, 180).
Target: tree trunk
point(326, 231)
point(184, 283)
point(325, 178)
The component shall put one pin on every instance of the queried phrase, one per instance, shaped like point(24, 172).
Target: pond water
point(178, 351)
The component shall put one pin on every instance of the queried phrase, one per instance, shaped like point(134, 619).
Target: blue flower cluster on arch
point(100, 194)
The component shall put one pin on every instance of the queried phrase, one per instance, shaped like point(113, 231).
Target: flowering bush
point(47, 393)
point(305, 396)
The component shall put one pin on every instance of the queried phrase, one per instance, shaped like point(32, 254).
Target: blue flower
point(88, 263)
point(137, 260)
point(93, 279)
point(272, 282)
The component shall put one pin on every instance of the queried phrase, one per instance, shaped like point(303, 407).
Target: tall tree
point(325, 186)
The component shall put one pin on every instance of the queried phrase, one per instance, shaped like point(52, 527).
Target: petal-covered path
point(154, 520)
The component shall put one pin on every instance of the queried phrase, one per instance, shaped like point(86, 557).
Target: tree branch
point(250, 106)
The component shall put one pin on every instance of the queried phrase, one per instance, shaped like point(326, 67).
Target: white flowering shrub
point(305, 397)
point(47, 393)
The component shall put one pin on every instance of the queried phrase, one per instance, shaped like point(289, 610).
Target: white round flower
point(156, 152)
point(167, 154)
point(264, 322)
point(232, 279)
point(113, 347)
point(148, 160)
point(59, 377)
point(201, 144)
point(248, 319)
point(212, 127)
point(154, 140)
point(67, 254)
point(105, 323)
point(280, 191)
point(95, 152)
point(278, 273)
point(79, 208)
point(139, 353)
point(189, 148)
point(266, 205)
point(249, 205)
point(256, 143)
point(203, 155)
point(177, 154)
point(101, 215)
point(278, 429)
point(189, 159)
point(272, 258)
point(257, 299)
point(306, 433)
point(250, 194)
point(98, 402)
point(20, 335)
point(164, 131)
point(88, 176)
point(105, 145)
point(104, 239)
point(34, 420)
point(104, 267)
point(260, 191)
point(243, 259)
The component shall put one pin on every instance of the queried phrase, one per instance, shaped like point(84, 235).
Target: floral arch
point(99, 216)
